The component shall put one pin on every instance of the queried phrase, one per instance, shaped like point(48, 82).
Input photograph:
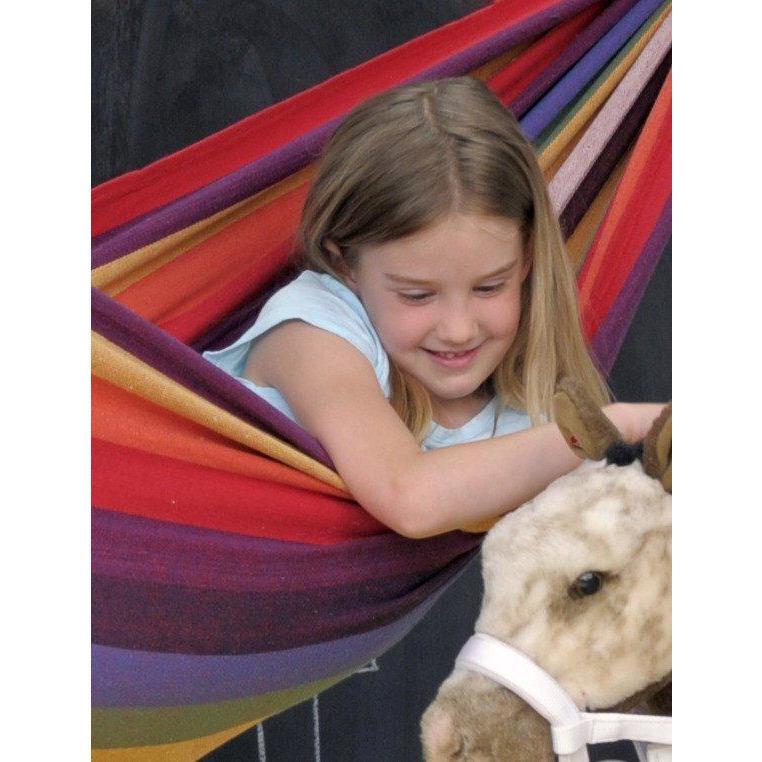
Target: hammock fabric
point(233, 575)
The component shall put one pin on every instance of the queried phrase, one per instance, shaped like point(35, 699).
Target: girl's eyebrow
point(416, 282)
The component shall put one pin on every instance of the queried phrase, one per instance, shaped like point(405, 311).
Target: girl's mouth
point(453, 359)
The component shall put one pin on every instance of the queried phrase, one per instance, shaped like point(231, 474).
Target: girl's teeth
point(450, 355)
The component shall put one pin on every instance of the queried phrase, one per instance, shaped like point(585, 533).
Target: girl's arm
point(334, 392)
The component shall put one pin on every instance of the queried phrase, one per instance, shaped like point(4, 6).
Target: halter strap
point(571, 730)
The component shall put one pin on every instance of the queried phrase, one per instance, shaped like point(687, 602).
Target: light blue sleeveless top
point(325, 302)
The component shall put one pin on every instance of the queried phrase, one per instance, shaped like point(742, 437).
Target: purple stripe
point(236, 323)
point(178, 361)
point(470, 59)
point(147, 550)
point(576, 49)
point(621, 139)
point(296, 154)
point(195, 604)
point(610, 336)
point(572, 83)
point(219, 195)
point(174, 618)
point(122, 678)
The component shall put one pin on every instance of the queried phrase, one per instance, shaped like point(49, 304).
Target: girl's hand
point(634, 419)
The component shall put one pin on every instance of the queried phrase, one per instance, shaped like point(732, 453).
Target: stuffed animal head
point(578, 579)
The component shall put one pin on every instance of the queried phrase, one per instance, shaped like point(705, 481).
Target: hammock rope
point(233, 576)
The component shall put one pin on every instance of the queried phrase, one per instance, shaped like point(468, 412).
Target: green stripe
point(567, 114)
point(119, 728)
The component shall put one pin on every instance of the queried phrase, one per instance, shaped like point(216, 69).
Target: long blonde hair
point(404, 159)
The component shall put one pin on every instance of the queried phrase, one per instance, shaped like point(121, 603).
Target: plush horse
point(579, 581)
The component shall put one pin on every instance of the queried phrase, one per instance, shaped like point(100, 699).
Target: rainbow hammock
point(233, 575)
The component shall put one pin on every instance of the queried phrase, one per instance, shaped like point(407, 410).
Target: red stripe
point(511, 81)
point(166, 489)
point(637, 225)
point(634, 221)
point(196, 318)
point(194, 275)
point(136, 193)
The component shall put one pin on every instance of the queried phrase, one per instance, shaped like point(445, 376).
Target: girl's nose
point(457, 328)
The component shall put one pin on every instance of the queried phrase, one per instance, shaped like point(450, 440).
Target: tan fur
point(604, 648)
point(457, 727)
point(599, 518)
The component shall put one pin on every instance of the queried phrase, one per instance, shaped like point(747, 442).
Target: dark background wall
point(166, 74)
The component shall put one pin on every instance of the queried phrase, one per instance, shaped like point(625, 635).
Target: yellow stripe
point(184, 751)
point(122, 369)
point(550, 171)
point(114, 277)
point(190, 724)
point(485, 71)
point(599, 95)
point(582, 238)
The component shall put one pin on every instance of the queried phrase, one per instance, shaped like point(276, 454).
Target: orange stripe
point(193, 276)
point(628, 190)
point(648, 203)
point(117, 366)
point(116, 276)
point(123, 418)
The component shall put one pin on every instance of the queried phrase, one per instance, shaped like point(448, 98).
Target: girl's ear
point(339, 264)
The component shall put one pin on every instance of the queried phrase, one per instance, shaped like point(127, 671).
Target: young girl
point(436, 313)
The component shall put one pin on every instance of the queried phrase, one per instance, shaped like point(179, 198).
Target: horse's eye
point(588, 583)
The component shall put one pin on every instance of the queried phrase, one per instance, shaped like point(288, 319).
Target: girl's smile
point(446, 302)
point(455, 360)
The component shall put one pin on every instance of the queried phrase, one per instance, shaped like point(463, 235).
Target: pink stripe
point(605, 124)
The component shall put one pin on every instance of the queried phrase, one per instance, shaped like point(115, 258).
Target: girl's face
point(446, 303)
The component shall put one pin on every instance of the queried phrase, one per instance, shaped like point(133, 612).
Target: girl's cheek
point(411, 330)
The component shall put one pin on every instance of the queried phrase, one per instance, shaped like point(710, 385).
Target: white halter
point(570, 729)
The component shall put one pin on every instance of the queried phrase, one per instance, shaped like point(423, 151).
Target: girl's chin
point(447, 387)
point(455, 396)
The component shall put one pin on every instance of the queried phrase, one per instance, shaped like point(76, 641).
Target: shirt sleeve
point(318, 300)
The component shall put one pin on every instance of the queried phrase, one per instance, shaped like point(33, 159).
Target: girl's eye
point(415, 296)
point(490, 288)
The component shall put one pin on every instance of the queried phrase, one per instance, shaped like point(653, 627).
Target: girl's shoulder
point(317, 299)
point(316, 291)
point(325, 302)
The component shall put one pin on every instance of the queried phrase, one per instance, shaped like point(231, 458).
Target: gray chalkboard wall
point(166, 74)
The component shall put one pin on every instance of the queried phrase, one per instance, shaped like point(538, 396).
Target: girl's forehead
point(458, 241)
point(466, 225)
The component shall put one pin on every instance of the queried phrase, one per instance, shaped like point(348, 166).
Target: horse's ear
point(657, 449)
point(584, 425)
